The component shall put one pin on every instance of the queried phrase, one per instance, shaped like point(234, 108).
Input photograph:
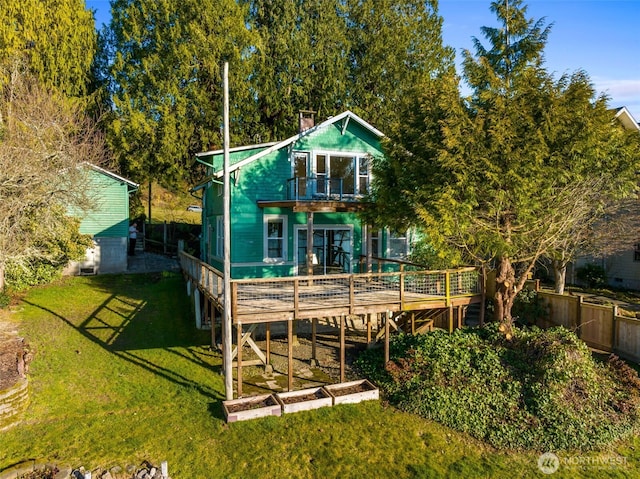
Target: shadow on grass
point(142, 315)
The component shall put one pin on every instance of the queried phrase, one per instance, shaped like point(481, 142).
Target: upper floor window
point(332, 173)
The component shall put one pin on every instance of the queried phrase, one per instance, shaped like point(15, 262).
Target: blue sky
point(601, 37)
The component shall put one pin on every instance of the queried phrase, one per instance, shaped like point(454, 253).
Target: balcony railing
point(309, 188)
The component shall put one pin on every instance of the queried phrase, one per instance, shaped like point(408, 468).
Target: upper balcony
point(324, 189)
point(321, 194)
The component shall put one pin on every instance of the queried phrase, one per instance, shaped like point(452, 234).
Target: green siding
point(266, 179)
point(109, 217)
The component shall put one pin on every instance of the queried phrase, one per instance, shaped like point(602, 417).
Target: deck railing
point(310, 188)
point(306, 297)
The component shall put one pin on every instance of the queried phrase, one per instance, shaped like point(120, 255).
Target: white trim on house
point(133, 185)
point(284, 238)
point(236, 149)
point(347, 115)
point(405, 238)
point(626, 118)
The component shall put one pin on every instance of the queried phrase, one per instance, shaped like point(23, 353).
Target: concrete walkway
point(145, 262)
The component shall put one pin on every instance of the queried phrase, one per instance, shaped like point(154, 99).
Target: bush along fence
point(600, 326)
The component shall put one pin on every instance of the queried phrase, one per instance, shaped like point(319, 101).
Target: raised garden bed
point(353, 392)
point(243, 409)
point(304, 400)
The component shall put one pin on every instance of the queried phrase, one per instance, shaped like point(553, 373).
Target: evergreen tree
point(395, 45)
point(168, 81)
point(300, 62)
point(509, 173)
point(56, 39)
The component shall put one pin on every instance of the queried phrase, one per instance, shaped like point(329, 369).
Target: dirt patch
point(303, 397)
point(249, 405)
point(307, 372)
point(11, 348)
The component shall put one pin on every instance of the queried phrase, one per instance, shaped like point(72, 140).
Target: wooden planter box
point(353, 392)
point(252, 407)
point(304, 400)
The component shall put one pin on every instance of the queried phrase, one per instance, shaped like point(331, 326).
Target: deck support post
point(369, 328)
point(205, 313)
point(267, 334)
point(387, 317)
point(290, 353)
point(197, 308)
point(342, 351)
point(239, 358)
point(450, 315)
point(213, 325)
point(314, 332)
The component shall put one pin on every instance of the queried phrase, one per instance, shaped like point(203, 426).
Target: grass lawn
point(121, 375)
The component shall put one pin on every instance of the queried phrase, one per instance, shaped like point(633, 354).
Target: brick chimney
point(306, 120)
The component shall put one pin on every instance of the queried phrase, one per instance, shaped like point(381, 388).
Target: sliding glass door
point(331, 249)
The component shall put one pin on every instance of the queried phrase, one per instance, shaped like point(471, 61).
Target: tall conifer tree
point(168, 81)
point(56, 39)
point(300, 62)
point(509, 173)
point(395, 45)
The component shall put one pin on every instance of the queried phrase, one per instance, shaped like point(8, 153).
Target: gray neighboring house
point(107, 223)
point(623, 268)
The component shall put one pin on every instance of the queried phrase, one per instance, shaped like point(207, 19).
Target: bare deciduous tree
point(44, 141)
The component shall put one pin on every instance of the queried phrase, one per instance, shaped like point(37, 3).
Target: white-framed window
point(220, 236)
point(364, 171)
point(397, 245)
point(300, 173)
point(219, 189)
point(275, 238)
point(375, 242)
point(342, 173)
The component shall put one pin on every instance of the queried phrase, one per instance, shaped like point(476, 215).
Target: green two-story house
point(295, 203)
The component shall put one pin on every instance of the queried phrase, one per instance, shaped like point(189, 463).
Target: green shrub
point(5, 299)
point(23, 276)
point(529, 308)
point(541, 390)
point(593, 275)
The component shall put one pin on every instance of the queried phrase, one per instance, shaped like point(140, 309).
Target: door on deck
point(331, 249)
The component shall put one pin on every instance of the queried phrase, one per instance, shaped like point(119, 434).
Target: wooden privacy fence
point(600, 326)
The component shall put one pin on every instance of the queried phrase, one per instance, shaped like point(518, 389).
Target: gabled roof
point(626, 118)
point(130, 184)
point(271, 147)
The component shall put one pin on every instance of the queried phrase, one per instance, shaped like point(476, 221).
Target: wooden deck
point(386, 296)
point(308, 297)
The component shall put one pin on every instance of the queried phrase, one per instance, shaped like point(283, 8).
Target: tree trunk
point(506, 291)
point(2, 285)
point(559, 275)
